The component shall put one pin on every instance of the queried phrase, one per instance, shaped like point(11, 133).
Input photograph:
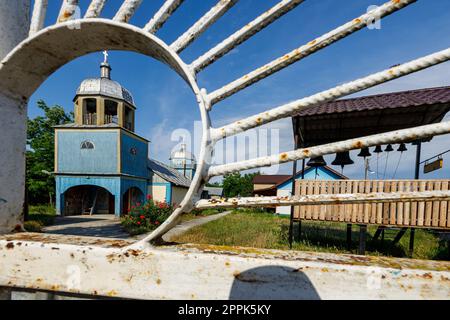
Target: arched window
point(111, 112)
point(90, 112)
point(87, 145)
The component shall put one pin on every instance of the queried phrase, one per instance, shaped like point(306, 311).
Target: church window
point(111, 114)
point(90, 112)
point(87, 145)
point(133, 151)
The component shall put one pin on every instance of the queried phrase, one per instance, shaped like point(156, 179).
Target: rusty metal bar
point(68, 10)
point(307, 49)
point(95, 9)
point(405, 135)
point(127, 10)
point(38, 16)
point(244, 34)
point(101, 268)
point(324, 199)
point(168, 8)
point(202, 24)
point(291, 108)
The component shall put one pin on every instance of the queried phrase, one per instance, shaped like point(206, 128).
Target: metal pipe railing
point(202, 24)
point(164, 13)
point(307, 49)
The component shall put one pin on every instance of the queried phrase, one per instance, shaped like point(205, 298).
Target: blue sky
point(165, 103)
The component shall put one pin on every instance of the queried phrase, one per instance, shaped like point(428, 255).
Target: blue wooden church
point(102, 165)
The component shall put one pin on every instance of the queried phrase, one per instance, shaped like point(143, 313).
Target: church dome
point(182, 154)
point(105, 87)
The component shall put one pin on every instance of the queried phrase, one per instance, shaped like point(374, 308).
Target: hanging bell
point(389, 148)
point(402, 148)
point(342, 159)
point(364, 153)
point(316, 162)
point(378, 149)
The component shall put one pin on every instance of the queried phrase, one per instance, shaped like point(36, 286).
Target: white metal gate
point(34, 51)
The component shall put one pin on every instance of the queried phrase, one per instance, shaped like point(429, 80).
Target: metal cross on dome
point(106, 55)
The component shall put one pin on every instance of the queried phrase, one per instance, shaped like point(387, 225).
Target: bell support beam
point(307, 49)
point(405, 135)
point(323, 199)
point(95, 9)
point(164, 13)
point(202, 24)
point(294, 107)
point(244, 34)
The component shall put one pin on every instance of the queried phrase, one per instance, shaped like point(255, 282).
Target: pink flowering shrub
point(145, 217)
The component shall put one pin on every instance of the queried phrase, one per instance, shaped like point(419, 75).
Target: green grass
point(136, 230)
point(38, 217)
point(263, 230)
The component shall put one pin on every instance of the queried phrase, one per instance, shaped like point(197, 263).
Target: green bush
point(33, 226)
point(146, 217)
point(43, 214)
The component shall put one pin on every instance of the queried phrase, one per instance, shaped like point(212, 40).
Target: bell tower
point(102, 101)
point(100, 162)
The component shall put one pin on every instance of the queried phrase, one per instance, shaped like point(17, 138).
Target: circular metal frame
point(37, 57)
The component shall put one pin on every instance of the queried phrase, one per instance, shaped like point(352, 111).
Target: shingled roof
point(169, 174)
point(404, 99)
point(363, 116)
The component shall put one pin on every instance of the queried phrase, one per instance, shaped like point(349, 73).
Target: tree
point(237, 185)
point(41, 152)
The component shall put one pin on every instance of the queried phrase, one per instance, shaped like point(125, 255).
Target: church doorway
point(131, 198)
point(88, 200)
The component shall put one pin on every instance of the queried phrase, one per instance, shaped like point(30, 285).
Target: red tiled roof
point(393, 100)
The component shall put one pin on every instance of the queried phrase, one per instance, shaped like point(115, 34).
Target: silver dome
point(182, 154)
point(105, 87)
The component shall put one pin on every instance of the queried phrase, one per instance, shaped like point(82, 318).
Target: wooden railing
point(432, 214)
point(111, 119)
point(90, 119)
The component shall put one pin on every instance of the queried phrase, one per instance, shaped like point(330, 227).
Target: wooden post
point(299, 220)
point(291, 224)
point(349, 236)
point(362, 239)
point(294, 173)
point(411, 242)
point(299, 229)
point(416, 177)
point(100, 111)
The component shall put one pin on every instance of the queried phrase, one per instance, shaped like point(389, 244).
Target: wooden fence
point(424, 214)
